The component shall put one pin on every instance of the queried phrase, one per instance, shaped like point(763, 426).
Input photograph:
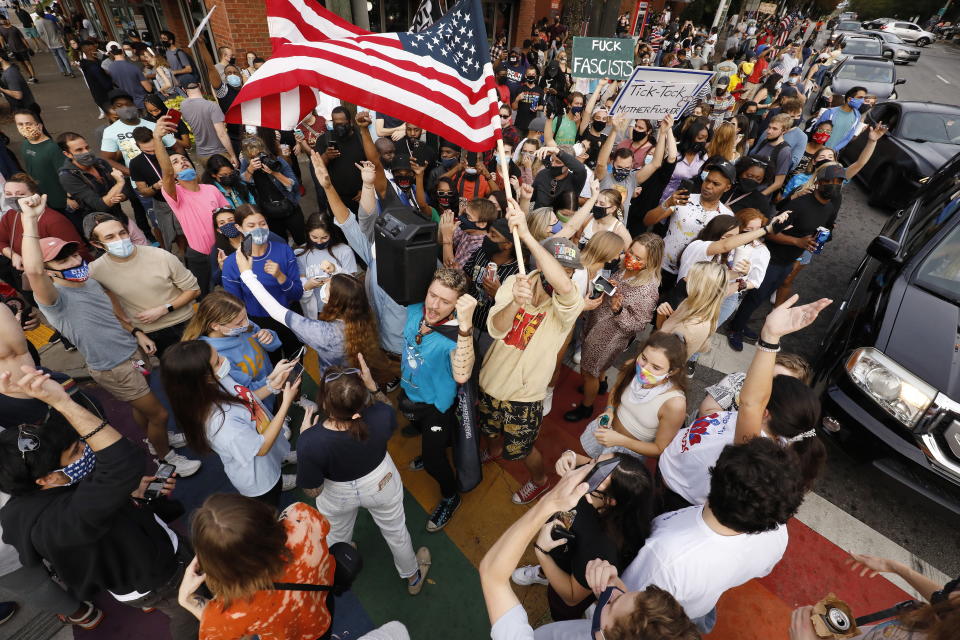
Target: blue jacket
point(249, 365)
point(827, 116)
point(286, 294)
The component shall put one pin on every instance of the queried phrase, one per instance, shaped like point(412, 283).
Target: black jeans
point(437, 430)
point(199, 265)
point(777, 272)
point(183, 625)
point(167, 337)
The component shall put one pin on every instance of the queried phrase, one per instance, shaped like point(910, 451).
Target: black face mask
point(598, 125)
point(620, 174)
point(232, 179)
point(747, 185)
point(638, 136)
point(233, 60)
point(613, 266)
point(530, 81)
point(466, 224)
point(404, 182)
point(501, 79)
point(820, 163)
point(599, 212)
point(342, 130)
point(829, 191)
point(698, 147)
point(555, 171)
point(489, 246)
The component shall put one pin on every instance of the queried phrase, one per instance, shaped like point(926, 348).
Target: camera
point(268, 161)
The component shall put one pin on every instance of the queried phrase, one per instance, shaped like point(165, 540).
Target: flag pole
point(506, 188)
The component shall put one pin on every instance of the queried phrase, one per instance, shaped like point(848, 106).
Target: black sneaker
point(749, 335)
point(580, 412)
point(735, 340)
point(393, 385)
point(442, 514)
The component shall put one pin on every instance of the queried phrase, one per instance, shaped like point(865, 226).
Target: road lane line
point(942, 78)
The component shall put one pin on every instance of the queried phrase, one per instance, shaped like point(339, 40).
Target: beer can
point(491, 271)
point(823, 234)
point(742, 252)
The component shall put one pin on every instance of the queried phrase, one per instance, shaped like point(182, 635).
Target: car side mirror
point(900, 81)
point(883, 249)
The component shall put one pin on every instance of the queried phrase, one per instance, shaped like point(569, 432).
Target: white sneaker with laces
point(289, 481)
point(548, 401)
point(174, 439)
point(290, 458)
point(527, 575)
point(185, 466)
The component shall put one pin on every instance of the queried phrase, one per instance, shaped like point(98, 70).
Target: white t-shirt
point(685, 463)
point(696, 564)
point(513, 625)
point(685, 223)
point(695, 252)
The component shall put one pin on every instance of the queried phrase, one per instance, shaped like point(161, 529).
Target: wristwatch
point(169, 308)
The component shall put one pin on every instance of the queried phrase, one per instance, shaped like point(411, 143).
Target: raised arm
point(576, 222)
point(728, 244)
point(167, 178)
point(873, 136)
point(666, 133)
point(462, 358)
point(44, 290)
point(603, 157)
point(666, 208)
point(340, 210)
point(370, 150)
point(587, 117)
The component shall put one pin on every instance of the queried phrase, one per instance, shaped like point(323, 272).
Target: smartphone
point(601, 472)
point(174, 115)
point(299, 355)
point(689, 186)
point(603, 285)
point(333, 144)
point(295, 373)
point(247, 245)
point(164, 471)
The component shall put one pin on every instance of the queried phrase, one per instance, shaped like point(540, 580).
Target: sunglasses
point(333, 375)
point(446, 193)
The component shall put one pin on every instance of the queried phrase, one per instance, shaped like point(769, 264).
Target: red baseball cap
point(50, 247)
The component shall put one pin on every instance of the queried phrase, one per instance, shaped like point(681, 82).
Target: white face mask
point(325, 292)
point(223, 370)
point(235, 331)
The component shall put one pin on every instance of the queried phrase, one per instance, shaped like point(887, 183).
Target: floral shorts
point(517, 422)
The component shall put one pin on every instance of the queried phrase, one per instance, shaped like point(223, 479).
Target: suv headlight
point(902, 394)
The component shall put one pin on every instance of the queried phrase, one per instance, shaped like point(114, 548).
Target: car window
point(848, 26)
point(940, 271)
point(931, 127)
point(901, 25)
point(862, 47)
point(865, 73)
point(936, 209)
point(890, 37)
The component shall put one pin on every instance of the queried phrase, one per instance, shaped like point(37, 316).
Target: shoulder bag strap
point(895, 610)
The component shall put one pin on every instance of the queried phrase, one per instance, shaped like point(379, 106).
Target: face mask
point(698, 147)
point(234, 81)
point(820, 137)
point(855, 103)
point(638, 135)
point(233, 332)
point(260, 235)
point(75, 274)
point(595, 624)
point(829, 191)
point(501, 79)
point(546, 285)
point(466, 224)
point(405, 182)
point(531, 81)
point(232, 60)
point(576, 110)
point(185, 175)
point(14, 203)
point(127, 113)
point(792, 80)
point(821, 162)
point(599, 212)
point(444, 202)
point(325, 292)
point(620, 173)
point(644, 376)
point(555, 171)
point(223, 370)
point(556, 228)
point(229, 230)
point(864, 107)
point(120, 248)
point(613, 265)
point(128, 53)
point(489, 246)
point(598, 125)
point(232, 179)
point(747, 185)
point(342, 130)
point(77, 470)
point(630, 263)
point(85, 159)
point(31, 132)
point(320, 245)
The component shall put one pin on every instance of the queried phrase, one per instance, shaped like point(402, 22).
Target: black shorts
point(22, 56)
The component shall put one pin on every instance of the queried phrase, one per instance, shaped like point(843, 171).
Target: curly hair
point(755, 487)
point(656, 615)
point(348, 302)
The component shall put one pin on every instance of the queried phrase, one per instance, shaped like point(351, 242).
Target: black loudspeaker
point(406, 253)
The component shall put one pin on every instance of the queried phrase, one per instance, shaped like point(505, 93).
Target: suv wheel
point(922, 42)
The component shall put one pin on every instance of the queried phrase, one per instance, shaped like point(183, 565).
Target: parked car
point(854, 44)
point(921, 137)
point(876, 23)
point(845, 26)
point(910, 32)
point(894, 47)
point(877, 75)
point(888, 365)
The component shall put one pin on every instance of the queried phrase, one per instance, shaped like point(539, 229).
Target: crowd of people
point(172, 251)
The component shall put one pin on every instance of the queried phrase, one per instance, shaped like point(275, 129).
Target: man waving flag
point(440, 79)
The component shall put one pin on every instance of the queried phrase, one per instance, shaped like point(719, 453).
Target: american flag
point(440, 79)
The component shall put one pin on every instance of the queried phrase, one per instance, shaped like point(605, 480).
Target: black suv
point(890, 361)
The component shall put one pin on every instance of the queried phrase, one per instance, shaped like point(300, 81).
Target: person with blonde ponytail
point(696, 317)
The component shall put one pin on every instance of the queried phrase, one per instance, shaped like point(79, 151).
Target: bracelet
point(540, 549)
point(29, 236)
point(465, 334)
point(94, 432)
point(767, 346)
point(133, 331)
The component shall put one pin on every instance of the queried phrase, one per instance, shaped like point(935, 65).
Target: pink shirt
point(194, 211)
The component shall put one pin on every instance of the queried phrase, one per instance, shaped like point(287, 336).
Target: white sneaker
point(576, 357)
point(289, 481)
point(174, 439)
point(548, 401)
point(527, 575)
point(290, 458)
point(185, 466)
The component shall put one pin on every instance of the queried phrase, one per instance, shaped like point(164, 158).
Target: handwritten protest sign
point(602, 58)
point(653, 92)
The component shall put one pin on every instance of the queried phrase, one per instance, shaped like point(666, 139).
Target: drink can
point(491, 270)
point(823, 234)
point(742, 252)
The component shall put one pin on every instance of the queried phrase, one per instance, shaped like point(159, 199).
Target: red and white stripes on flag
point(436, 79)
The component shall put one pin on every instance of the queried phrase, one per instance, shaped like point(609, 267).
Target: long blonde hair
point(651, 270)
point(601, 248)
point(538, 221)
point(218, 307)
point(706, 289)
point(724, 142)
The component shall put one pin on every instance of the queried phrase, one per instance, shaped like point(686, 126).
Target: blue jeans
point(60, 55)
point(706, 622)
point(728, 307)
point(777, 272)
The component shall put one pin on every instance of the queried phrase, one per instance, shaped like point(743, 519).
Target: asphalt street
point(921, 527)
